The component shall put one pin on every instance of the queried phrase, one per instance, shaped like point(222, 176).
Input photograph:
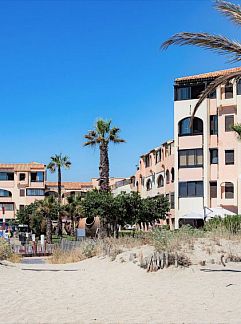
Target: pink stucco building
point(208, 155)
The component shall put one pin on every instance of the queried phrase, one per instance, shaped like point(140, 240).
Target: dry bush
point(85, 251)
point(15, 258)
point(5, 249)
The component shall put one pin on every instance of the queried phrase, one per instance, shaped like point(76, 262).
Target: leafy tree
point(100, 203)
point(29, 216)
point(217, 43)
point(49, 209)
point(153, 208)
point(57, 163)
point(73, 210)
point(102, 135)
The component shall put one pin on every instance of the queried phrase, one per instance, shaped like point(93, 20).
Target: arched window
point(167, 177)
point(5, 193)
point(160, 181)
point(148, 185)
point(137, 183)
point(172, 175)
point(229, 190)
point(184, 127)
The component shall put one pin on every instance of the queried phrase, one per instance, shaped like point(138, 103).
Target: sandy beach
point(100, 291)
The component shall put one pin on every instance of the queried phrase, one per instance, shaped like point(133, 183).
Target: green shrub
point(229, 224)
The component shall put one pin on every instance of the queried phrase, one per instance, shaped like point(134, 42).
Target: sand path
point(100, 291)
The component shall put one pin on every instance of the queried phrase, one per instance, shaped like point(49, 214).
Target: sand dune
point(101, 291)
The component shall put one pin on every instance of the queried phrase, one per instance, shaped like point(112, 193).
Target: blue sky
point(63, 64)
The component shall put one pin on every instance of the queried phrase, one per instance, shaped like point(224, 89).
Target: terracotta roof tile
point(71, 185)
point(209, 74)
point(22, 166)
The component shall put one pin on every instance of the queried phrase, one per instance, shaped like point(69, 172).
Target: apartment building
point(155, 175)
point(208, 154)
point(20, 185)
point(67, 189)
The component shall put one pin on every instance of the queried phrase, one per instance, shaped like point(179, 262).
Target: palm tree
point(73, 209)
point(57, 163)
point(49, 209)
point(216, 43)
point(102, 135)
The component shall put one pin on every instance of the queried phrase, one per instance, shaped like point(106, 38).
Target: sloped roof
point(209, 75)
point(71, 185)
point(23, 166)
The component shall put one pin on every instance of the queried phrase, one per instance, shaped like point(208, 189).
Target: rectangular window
point(22, 192)
point(191, 189)
point(213, 95)
point(213, 125)
point(229, 122)
point(183, 93)
point(229, 190)
point(22, 176)
point(37, 176)
point(6, 176)
point(190, 158)
point(7, 206)
point(239, 87)
point(35, 192)
point(213, 189)
point(172, 200)
point(228, 91)
point(213, 156)
point(229, 157)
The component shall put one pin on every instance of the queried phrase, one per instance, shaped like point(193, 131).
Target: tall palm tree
point(57, 163)
point(216, 43)
point(73, 209)
point(102, 135)
point(49, 209)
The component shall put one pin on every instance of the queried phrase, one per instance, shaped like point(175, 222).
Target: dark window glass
point(21, 207)
point(7, 206)
point(184, 127)
point(213, 125)
point(214, 156)
point(172, 200)
point(196, 90)
point(213, 189)
point(183, 93)
point(22, 176)
point(158, 156)
point(239, 87)
point(6, 176)
point(160, 181)
point(22, 192)
point(37, 176)
point(229, 122)
point(190, 158)
point(228, 91)
point(229, 157)
point(148, 185)
point(182, 189)
point(229, 190)
point(212, 95)
point(172, 174)
point(35, 192)
point(5, 193)
point(191, 189)
point(167, 177)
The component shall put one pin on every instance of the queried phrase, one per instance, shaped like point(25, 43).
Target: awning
point(208, 213)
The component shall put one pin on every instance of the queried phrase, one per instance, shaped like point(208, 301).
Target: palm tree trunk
point(72, 226)
point(59, 229)
point(104, 167)
point(49, 231)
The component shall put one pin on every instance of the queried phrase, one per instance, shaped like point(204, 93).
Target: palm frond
point(237, 129)
point(230, 10)
point(90, 143)
point(217, 43)
point(212, 87)
point(51, 167)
